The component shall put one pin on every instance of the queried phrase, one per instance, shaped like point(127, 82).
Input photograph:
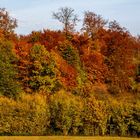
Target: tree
point(95, 116)
point(7, 24)
point(136, 59)
point(67, 17)
point(42, 70)
point(92, 23)
point(66, 112)
point(118, 58)
point(9, 85)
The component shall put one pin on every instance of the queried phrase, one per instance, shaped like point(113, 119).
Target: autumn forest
point(68, 82)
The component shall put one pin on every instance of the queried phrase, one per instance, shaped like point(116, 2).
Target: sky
point(37, 14)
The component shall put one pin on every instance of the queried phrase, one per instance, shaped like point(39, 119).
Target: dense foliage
point(69, 83)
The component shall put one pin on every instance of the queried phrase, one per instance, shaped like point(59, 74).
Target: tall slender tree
point(66, 16)
point(7, 23)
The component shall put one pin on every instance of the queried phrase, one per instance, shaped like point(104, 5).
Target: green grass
point(65, 138)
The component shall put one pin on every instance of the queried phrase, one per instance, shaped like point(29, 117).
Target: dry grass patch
point(64, 138)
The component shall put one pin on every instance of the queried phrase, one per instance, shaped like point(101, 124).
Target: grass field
point(65, 138)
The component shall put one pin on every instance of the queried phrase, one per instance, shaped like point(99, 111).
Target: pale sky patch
point(37, 14)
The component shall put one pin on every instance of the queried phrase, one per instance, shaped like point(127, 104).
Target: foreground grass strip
point(64, 138)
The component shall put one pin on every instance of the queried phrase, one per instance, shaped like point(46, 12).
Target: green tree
point(119, 118)
point(66, 113)
point(9, 85)
point(42, 70)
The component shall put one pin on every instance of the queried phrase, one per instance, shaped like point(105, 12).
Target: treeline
point(68, 82)
point(66, 114)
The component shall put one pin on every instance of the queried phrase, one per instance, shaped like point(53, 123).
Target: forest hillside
point(67, 82)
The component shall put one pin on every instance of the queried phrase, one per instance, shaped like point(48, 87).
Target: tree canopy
point(69, 83)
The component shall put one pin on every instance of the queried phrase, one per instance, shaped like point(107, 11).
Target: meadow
point(64, 138)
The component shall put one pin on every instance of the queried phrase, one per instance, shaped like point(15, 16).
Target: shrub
point(95, 117)
point(66, 114)
point(28, 116)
